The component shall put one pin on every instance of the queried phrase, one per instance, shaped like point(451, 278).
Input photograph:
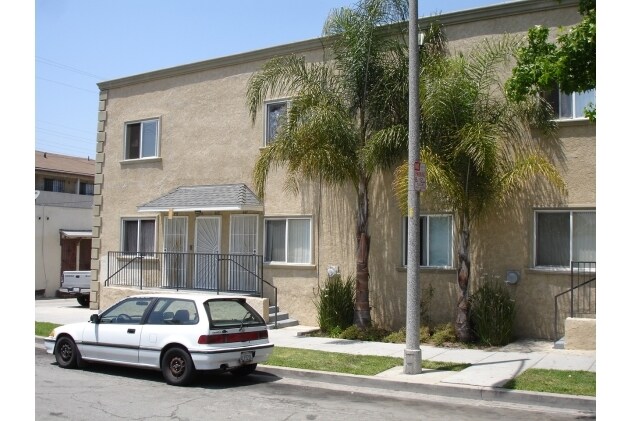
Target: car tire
point(83, 300)
point(177, 367)
point(66, 353)
point(244, 370)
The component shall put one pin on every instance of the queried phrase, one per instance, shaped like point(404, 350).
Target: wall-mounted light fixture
point(332, 270)
point(512, 277)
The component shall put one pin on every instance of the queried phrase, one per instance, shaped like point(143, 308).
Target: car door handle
point(131, 330)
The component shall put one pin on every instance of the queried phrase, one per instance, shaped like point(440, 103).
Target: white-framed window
point(275, 113)
point(570, 106)
point(288, 240)
point(435, 241)
point(563, 236)
point(141, 139)
point(138, 235)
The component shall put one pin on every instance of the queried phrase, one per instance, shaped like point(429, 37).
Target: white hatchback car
point(177, 333)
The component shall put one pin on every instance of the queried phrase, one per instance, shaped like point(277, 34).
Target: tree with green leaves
point(478, 146)
point(569, 64)
point(348, 114)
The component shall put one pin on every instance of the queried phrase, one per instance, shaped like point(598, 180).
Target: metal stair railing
point(582, 296)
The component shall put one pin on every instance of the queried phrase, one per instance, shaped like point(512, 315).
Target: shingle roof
point(209, 198)
point(46, 161)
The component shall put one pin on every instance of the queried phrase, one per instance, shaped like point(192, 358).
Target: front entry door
point(243, 272)
point(175, 258)
point(207, 238)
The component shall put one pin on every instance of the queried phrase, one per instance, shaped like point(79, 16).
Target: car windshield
point(232, 313)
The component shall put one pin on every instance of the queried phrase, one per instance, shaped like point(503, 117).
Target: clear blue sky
point(79, 43)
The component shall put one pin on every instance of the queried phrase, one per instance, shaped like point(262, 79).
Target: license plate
point(76, 289)
point(246, 357)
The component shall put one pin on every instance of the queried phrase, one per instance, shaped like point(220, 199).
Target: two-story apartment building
point(174, 203)
point(63, 218)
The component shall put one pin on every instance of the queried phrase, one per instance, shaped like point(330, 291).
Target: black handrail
point(578, 269)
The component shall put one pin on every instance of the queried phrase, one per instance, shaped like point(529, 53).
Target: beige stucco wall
point(207, 137)
point(48, 221)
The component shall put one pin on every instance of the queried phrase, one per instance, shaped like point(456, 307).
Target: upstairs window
point(139, 236)
point(141, 139)
point(86, 188)
point(436, 239)
point(275, 113)
point(564, 236)
point(288, 240)
point(52, 184)
point(570, 106)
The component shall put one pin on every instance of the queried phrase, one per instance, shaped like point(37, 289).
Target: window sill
point(130, 257)
point(573, 122)
point(553, 271)
point(140, 160)
point(301, 266)
point(431, 269)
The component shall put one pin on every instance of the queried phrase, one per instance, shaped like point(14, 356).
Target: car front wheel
point(177, 367)
point(244, 370)
point(66, 353)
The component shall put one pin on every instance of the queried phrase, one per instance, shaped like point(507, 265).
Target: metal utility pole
point(412, 357)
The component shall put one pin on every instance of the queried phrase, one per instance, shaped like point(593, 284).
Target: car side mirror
point(95, 318)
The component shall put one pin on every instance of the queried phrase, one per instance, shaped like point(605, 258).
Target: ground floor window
point(139, 235)
point(563, 236)
point(435, 241)
point(288, 240)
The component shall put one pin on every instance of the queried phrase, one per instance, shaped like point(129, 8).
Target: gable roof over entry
point(226, 197)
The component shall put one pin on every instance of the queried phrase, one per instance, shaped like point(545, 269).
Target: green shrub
point(335, 304)
point(397, 337)
point(492, 313)
point(444, 333)
point(371, 333)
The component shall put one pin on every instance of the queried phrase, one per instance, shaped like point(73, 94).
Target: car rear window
point(232, 313)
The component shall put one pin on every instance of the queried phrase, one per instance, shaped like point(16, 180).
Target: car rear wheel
point(177, 367)
point(244, 370)
point(66, 353)
point(83, 300)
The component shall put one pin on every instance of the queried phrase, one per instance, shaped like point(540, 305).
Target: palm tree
point(348, 115)
point(479, 147)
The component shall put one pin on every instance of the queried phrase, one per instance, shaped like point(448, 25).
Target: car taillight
point(224, 338)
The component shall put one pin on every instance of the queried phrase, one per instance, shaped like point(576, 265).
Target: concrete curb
point(475, 393)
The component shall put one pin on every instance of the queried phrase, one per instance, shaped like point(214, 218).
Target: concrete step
point(280, 319)
point(560, 344)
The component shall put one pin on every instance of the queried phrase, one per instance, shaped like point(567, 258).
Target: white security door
point(207, 238)
point(175, 258)
point(243, 272)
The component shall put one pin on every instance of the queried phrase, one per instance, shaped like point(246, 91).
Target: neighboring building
point(64, 188)
point(173, 199)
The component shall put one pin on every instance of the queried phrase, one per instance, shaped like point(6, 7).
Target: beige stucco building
point(175, 154)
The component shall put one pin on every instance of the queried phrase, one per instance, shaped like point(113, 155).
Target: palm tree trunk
point(463, 326)
point(362, 303)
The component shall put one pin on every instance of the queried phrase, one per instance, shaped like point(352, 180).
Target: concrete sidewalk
point(483, 380)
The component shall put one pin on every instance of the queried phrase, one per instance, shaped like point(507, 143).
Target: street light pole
point(412, 354)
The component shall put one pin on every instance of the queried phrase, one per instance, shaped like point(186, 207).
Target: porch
point(238, 274)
